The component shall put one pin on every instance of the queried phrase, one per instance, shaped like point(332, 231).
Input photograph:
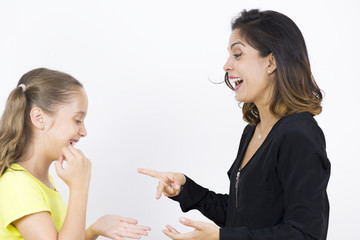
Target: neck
point(266, 116)
point(35, 162)
point(267, 121)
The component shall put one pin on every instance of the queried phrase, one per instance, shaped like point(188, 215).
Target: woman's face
point(66, 126)
point(248, 71)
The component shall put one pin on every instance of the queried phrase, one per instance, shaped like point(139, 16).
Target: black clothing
point(281, 191)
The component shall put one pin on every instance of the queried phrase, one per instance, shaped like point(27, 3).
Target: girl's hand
point(169, 183)
point(116, 227)
point(77, 171)
point(203, 231)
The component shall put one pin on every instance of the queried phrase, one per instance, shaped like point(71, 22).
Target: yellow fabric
point(22, 194)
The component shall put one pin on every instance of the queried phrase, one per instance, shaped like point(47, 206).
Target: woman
point(43, 118)
point(278, 180)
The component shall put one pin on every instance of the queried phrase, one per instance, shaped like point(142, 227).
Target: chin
point(243, 99)
point(240, 99)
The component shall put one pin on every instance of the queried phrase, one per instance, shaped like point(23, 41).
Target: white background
point(145, 66)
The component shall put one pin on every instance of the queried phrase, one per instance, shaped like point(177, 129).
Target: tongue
point(238, 86)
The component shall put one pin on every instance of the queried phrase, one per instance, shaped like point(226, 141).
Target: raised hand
point(77, 171)
point(169, 182)
point(202, 231)
point(116, 227)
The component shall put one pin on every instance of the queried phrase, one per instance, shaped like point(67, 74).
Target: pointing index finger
point(149, 172)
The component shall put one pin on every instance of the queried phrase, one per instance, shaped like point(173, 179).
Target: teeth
point(233, 80)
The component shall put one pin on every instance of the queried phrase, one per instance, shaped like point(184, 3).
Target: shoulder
point(20, 195)
point(299, 125)
point(249, 129)
point(296, 121)
point(17, 184)
point(13, 178)
point(300, 130)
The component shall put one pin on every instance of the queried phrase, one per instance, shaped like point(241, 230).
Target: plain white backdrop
point(146, 66)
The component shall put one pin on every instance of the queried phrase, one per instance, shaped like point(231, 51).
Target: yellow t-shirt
point(22, 194)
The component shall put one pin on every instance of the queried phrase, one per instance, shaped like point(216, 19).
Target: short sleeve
point(19, 196)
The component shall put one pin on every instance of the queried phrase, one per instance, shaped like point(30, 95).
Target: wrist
point(79, 188)
point(90, 233)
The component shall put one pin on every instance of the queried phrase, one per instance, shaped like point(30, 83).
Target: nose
point(228, 65)
point(82, 131)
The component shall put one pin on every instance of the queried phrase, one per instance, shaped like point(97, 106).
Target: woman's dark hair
point(295, 89)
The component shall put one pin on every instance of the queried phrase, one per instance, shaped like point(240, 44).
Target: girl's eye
point(78, 121)
point(237, 55)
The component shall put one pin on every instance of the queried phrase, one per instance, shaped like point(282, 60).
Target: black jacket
point(281, 191)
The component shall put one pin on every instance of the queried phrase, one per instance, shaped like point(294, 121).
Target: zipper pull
point(237, 187)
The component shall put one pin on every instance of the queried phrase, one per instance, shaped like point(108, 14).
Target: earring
point(42, 127)
point(269, 71)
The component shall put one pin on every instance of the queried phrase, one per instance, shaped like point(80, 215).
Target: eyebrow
point(235, 43)
point(80, 112)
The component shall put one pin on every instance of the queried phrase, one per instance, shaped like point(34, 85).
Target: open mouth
point(236, 82)
point(73, 142)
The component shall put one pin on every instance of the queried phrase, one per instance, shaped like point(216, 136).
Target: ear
point(37, 117)
point(271, 63)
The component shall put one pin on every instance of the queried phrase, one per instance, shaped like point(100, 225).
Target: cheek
point(256, 75)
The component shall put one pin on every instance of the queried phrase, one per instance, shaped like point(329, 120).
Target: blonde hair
point(41, 87)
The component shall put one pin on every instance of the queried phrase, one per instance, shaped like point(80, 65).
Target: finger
point(127, 220)
point(166, 183)
point(136, 228)
point(137, 232)
point(58, 165)
point(129, 234)
point(190, 223)
point(174, 184)
point(171, 229)
point(149, 172)
point(115, 237)
point(168, 190)
point(67, 154)
point(75, 151)
point(160, 189)
point(172, 235)
point(144, 228)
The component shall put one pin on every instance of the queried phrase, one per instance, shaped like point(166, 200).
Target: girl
point(278, 180)
point(43, 119)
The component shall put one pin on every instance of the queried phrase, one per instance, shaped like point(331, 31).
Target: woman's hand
point(202, 231)
point(77, 171)
point(116, 227)
point(169, 183)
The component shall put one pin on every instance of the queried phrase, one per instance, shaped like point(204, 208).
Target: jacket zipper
point(237, 187)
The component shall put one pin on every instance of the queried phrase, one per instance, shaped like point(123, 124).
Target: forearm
point(210, 204)
point(90, 234)
point(75, 220)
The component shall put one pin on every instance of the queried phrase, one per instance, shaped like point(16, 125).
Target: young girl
point(43, 118)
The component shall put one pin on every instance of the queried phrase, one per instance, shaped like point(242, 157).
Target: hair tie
point(23, 87)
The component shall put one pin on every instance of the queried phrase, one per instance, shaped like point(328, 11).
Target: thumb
point(190, 223)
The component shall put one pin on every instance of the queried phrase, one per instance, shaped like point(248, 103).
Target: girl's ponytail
point(13, 128)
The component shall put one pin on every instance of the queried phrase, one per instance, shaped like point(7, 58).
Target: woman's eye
point(237, 55)
point(78, 121)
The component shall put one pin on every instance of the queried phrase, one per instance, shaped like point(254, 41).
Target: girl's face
point(66, 126)
point(248, 71)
